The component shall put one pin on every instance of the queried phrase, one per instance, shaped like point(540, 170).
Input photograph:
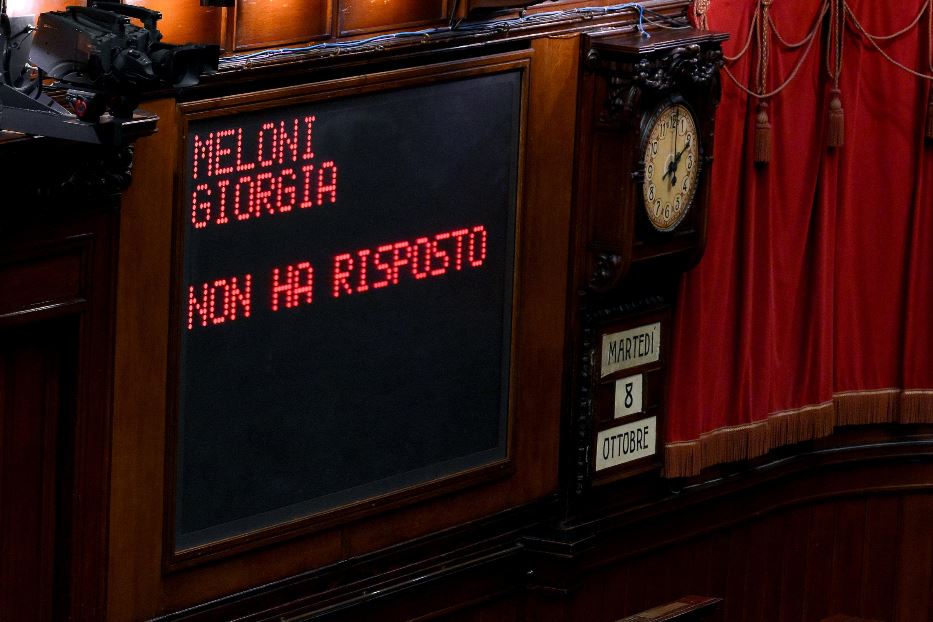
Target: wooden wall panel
point(848, 557)
point(869, 557)
point(765, 570)
point(31, 365)
point(882, 525)
point(718, 565)
point(186, 22)
point(736, 571)
point(259, 23)
point(915, 560)
point(844, 532)
point(792, 583)
point(359, 16)
point(784, 556)
point(140, 586)
point(55, 296)
point(143, 293)
point(818, 561)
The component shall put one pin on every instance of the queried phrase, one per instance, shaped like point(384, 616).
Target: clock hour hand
point(680, 154)
point(672, 167)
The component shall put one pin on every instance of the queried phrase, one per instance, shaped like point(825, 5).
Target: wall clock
point(644, 139)
point(672, 163)
point(647, 136)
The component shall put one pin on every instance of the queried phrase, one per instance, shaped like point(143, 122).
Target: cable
point(486, 27)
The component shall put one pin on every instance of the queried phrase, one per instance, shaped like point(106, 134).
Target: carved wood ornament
point(646, 132)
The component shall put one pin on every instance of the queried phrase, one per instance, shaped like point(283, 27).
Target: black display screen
point(346, 301)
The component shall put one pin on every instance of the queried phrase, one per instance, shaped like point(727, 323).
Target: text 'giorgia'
point(261, 174)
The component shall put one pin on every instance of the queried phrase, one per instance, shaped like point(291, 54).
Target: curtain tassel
point(762, 135)
point(700, 10)
point(836, 121)
point(930, 117)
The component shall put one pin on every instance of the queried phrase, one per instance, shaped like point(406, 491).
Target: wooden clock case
point(625, 271)
point(628, 78)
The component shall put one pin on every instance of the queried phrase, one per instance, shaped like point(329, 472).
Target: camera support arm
point(103, 64)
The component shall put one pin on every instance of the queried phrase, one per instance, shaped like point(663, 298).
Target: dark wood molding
point(524, 553)
point(483, 548)
point(630, 521)
point(684, 609)
point(693, 63)
point(57, 267)
point(583, 420)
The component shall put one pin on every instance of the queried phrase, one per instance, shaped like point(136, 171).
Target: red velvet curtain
point(813, 305)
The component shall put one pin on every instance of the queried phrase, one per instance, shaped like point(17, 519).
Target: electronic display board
point(344, 300)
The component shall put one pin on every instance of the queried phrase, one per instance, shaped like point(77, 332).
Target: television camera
point(79, 74)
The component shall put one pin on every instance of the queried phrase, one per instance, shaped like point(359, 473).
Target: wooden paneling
point(257, 23)
point(141, 334)
point(882, 529)
point(32, 362)
point(783, 555)
point(42, 281)
point(867, 556)
point(359, 16)
point(55, 294)
point(792, 583)
point(141, 586)
point(186, 22)
point(915, 560)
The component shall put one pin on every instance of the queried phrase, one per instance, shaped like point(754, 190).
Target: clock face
point(672, 159)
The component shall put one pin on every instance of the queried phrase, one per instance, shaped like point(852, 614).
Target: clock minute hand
point(672, 167)
point(680, 154)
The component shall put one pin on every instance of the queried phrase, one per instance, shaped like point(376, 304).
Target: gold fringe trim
point(916, 407)
point(742, 442)
point(863, 407)
point(731, 444)
point(801, 424)
point(682, 459)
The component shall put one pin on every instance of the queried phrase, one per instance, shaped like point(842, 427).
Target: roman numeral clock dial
point(671, 156)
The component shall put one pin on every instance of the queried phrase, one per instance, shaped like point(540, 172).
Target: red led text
point(219, 301)
point(228, 299)
point(385, 265)
point(277, 174)
point(292, 286)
